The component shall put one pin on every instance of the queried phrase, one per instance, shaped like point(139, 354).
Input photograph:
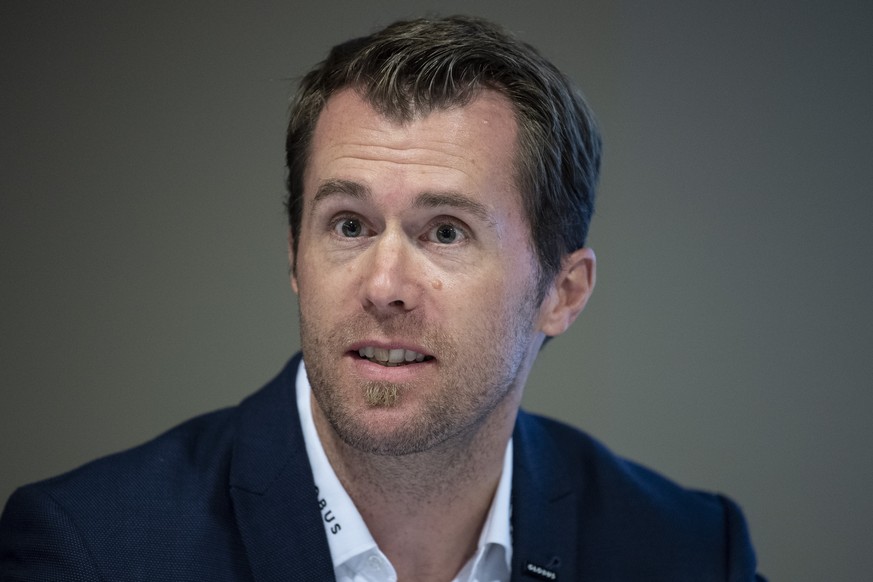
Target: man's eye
point(349, 227)
point(446, 234)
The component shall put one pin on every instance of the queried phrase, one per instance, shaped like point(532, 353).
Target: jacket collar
point(544, 502)
point(272, 488)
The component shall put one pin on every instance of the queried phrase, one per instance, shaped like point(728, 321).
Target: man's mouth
point(392, 357)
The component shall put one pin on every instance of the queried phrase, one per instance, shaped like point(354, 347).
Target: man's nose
point(389, 278)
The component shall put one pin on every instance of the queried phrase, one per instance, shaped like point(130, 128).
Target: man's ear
point(569, 292)
point(292, 265)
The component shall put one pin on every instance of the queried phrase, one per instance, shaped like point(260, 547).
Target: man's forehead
point(476, 138)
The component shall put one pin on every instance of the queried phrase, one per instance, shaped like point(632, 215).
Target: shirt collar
point(347, 534)
point(496, 529)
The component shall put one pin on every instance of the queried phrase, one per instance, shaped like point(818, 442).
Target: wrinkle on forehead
point(402, 155)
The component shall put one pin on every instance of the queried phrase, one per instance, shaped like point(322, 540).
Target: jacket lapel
point(273, 491)
point(544, 505)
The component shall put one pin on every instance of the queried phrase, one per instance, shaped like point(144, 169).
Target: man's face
point(415, 275)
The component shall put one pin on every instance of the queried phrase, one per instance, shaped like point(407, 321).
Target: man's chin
point(388, 431)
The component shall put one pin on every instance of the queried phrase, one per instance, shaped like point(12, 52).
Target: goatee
point(381, 395)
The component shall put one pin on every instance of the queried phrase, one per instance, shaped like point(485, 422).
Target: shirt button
point(375, 562)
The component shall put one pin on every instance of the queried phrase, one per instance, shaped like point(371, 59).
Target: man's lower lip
point(366, 365)
point(390, 365)
point(393, 364)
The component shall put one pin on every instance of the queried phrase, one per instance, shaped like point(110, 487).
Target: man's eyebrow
point(330, 188)
point(450, 199)
point(457, 200)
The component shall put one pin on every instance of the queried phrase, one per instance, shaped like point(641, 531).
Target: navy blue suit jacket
point(229, 496)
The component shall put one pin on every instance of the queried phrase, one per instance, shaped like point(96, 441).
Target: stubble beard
point(473, 384)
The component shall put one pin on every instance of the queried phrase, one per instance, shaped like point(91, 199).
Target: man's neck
point(435, 500)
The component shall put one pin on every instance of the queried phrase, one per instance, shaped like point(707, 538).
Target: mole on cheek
point(436, 284)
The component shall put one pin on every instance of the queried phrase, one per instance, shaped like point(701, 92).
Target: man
point(441, 181)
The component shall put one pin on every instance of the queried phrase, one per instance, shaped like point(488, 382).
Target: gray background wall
point(143, 276)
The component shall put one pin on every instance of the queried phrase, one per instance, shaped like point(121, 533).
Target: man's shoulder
point(172, 494)
point(623, 509)
point(165, 494)
point(189, 451)
point(603, 475)
point(187, 455)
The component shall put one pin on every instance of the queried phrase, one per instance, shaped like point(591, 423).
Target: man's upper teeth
point(392, 356)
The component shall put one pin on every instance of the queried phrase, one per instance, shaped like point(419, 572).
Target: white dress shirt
point(355, 555)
